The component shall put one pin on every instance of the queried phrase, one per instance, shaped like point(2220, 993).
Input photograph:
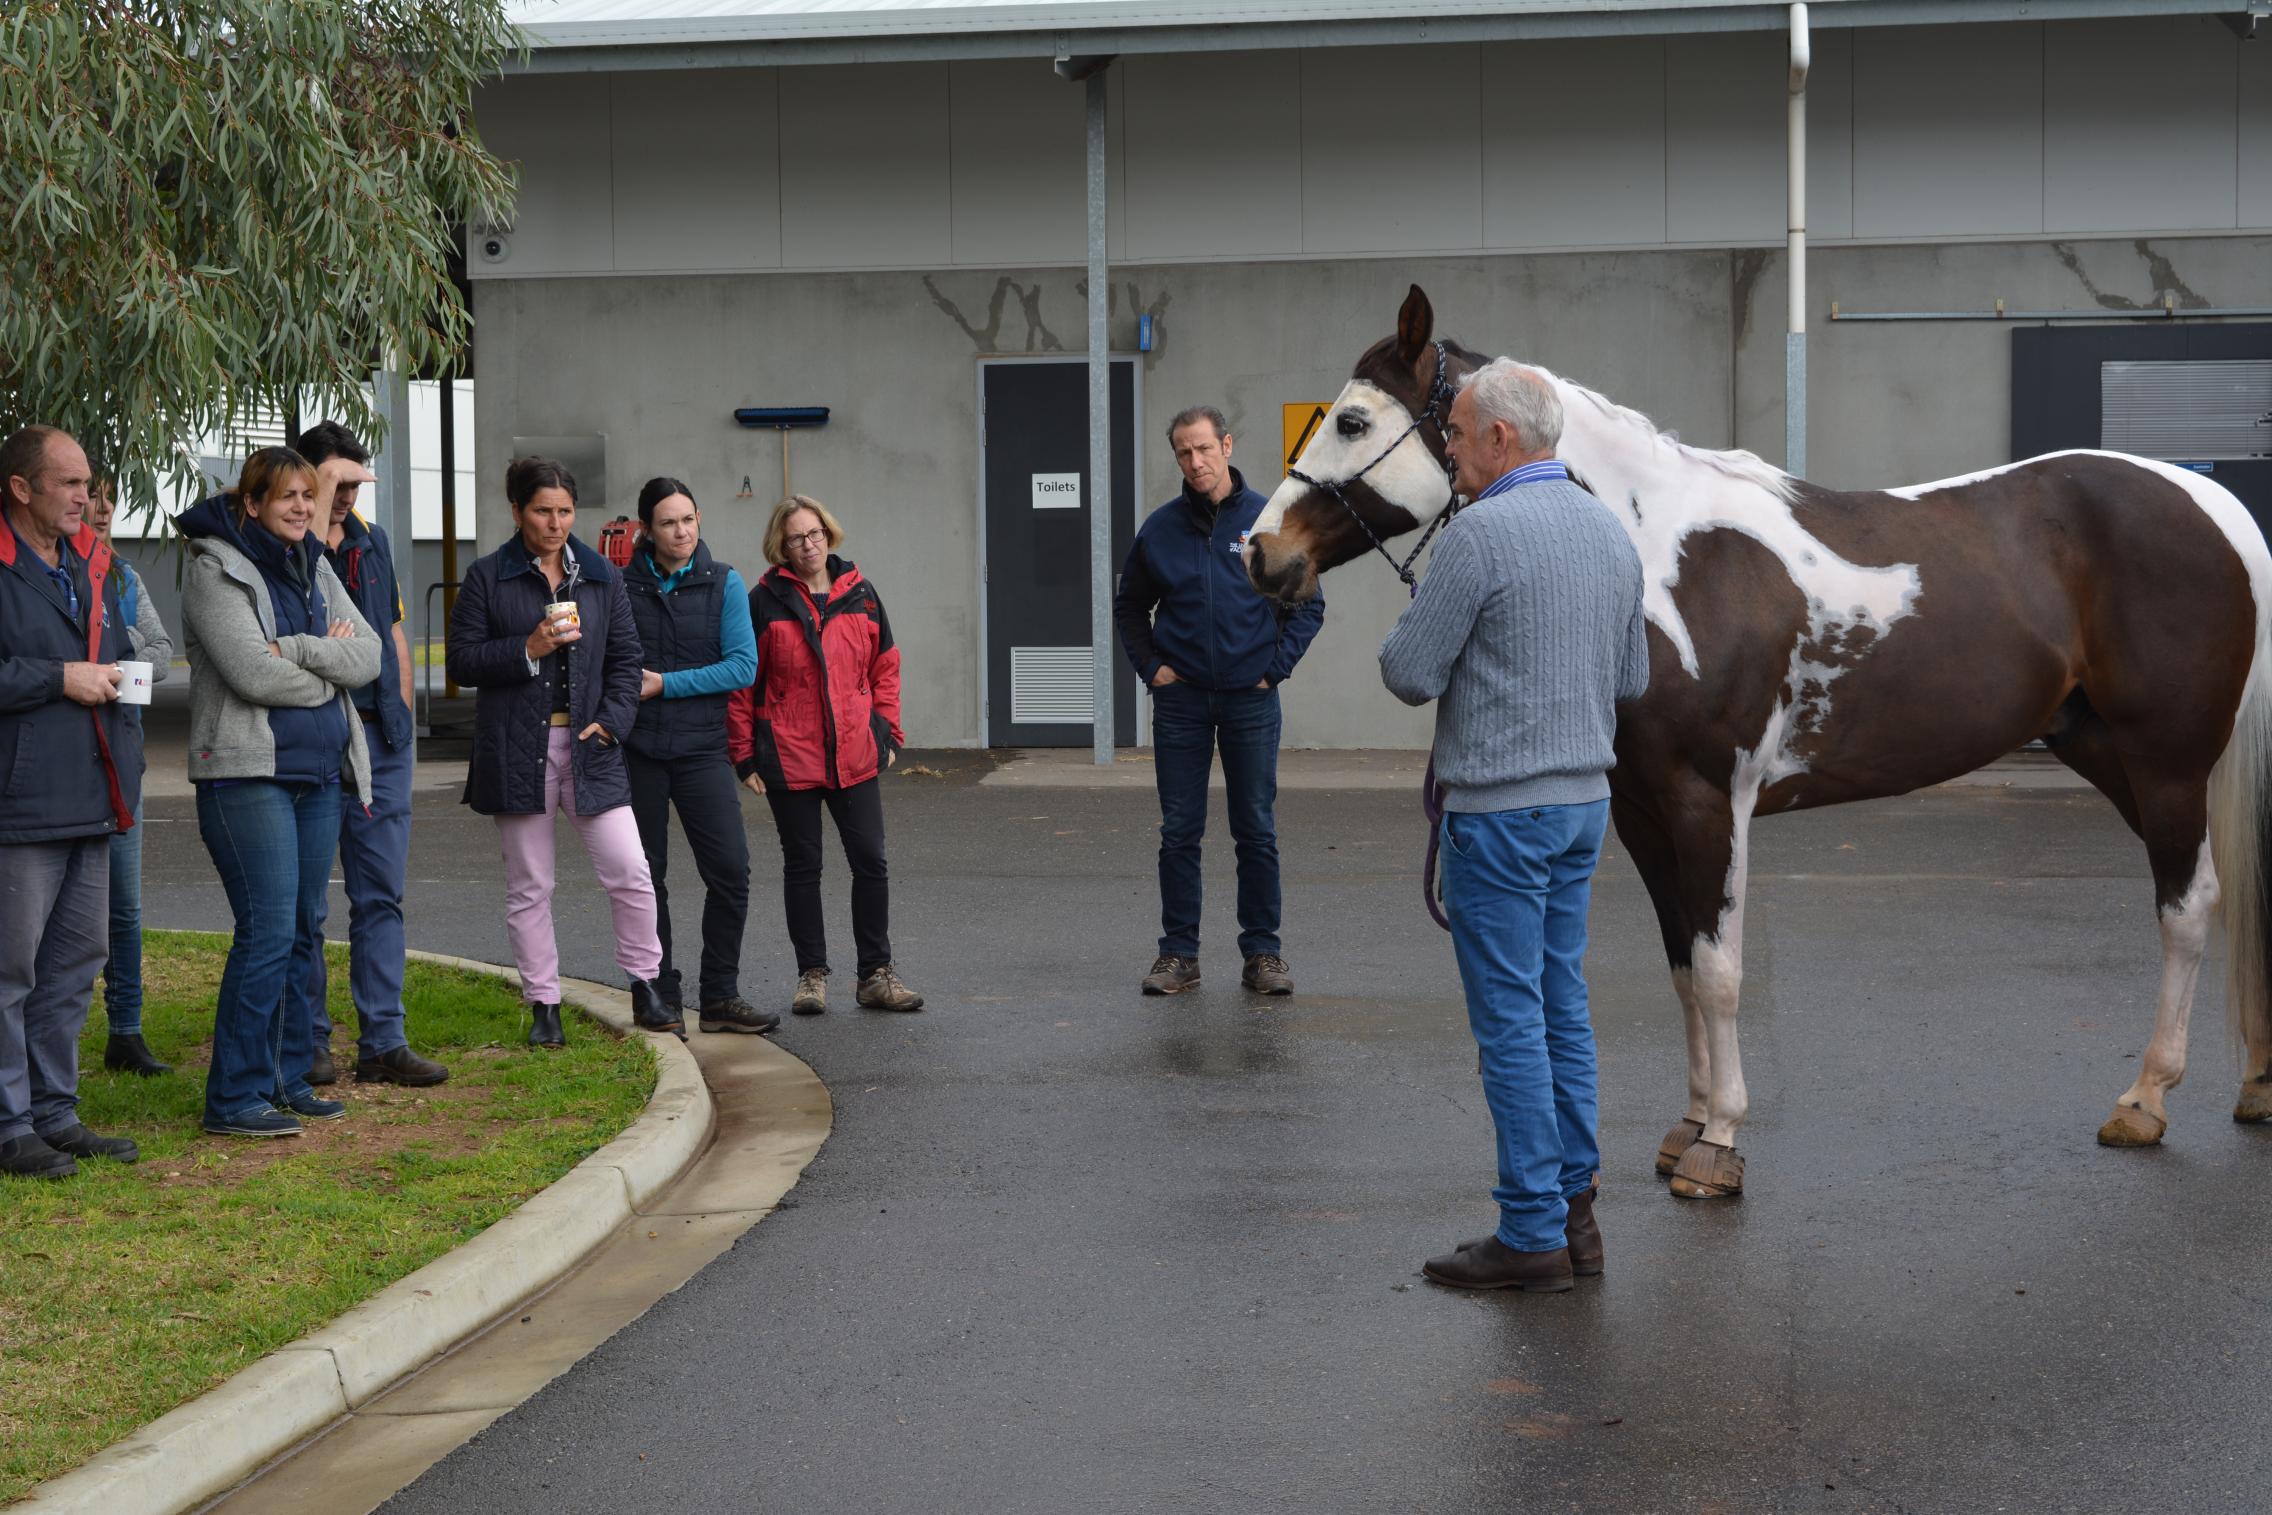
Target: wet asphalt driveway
point(1069, 1249)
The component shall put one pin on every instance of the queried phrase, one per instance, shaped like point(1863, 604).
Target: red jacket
point(825, 707)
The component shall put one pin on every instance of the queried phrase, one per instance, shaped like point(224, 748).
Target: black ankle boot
point(131, 1054)
point(544, 1027)
point(650, 1013)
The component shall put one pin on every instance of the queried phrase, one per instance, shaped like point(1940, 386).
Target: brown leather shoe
point(1583, 1232)
point(1492, 1264)
point(1171, 975)
point(1266, 973)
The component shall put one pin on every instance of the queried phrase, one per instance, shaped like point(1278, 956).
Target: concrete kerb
point(214, 1442)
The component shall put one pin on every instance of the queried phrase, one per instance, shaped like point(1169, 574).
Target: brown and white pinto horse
point(1810, 646)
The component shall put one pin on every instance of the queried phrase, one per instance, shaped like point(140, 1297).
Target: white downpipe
point(1795, 343)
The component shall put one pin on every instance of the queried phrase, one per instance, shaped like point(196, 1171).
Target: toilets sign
point(1057, 491)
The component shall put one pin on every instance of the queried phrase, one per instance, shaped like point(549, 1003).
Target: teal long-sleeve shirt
point(738, 668)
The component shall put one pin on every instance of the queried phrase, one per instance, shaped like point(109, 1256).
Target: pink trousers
point(611, 841)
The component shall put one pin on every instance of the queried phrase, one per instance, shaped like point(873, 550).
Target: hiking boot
point(811, 997)
point(131, 1054)
point(263, 1120)
point(27, 1156)
point(737, 1014)
point(76, 1140)
point(882, 990)
point(321, 1069)
point(649, 1012)
point(1265, 973)
point(1493, 1264)
point(1172, 975)
point(544, 1026)
point(400, 1066)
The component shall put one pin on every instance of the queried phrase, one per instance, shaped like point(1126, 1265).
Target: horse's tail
point(2240, 840)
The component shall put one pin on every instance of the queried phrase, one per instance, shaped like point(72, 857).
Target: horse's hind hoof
point(1708, 1170)
point(1678, 1140)
point(2255, 1102)
point(2130, 1126)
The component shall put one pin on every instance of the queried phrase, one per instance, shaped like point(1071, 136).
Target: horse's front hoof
point(2130, 1126)
point(2255, 1102)
point(1708, 1170)
point(1678, 1140)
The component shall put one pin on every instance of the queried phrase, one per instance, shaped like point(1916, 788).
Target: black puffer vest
point(679, 631)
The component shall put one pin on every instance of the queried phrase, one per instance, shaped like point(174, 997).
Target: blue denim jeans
point(122, 974)
point(1516, 885)
point(374, 863)
point(272, 844)
point(1188, 725)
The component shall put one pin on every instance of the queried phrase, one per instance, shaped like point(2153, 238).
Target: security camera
point(495, 249)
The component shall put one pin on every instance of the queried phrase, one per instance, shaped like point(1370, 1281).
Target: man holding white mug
point(76, 779)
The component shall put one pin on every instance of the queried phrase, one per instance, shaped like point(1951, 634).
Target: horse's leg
point(1711, 843)
point(1651, 849)
point(2173, 817)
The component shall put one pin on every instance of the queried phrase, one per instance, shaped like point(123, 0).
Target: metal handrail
point(425, 715)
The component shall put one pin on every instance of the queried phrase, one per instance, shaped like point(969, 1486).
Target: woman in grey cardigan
point(275, 644)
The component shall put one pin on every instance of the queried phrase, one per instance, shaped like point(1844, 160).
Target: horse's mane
point(1744, 467)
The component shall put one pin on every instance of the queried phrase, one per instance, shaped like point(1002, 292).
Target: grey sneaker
point(811, 997)
point(882, 990)
point(1266, 973)
point(1172, 975)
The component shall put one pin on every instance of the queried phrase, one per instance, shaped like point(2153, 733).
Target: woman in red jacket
point(817, 729)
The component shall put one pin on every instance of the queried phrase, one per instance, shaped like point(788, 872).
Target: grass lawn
point(130, 1289)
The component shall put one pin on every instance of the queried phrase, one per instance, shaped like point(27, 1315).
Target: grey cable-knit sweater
point(1528, 631)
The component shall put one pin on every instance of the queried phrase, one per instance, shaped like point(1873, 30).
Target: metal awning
point(587, 35)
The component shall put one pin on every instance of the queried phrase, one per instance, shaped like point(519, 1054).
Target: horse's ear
point(1415, 324)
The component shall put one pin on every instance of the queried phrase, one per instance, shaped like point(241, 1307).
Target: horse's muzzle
point(1279, 570)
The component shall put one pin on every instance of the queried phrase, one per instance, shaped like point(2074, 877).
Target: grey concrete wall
point(1693, 338)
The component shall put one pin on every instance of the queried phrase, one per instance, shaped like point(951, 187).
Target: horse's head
point(1380, 449)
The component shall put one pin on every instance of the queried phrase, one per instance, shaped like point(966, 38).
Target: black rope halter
point(1438, 406)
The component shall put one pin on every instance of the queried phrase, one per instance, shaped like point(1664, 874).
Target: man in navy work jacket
point(1214, 653)
point(374, 843)
point(73, 772)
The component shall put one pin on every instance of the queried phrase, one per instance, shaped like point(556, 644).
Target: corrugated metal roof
point(636, 23)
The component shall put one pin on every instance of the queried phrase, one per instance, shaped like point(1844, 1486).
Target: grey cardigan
point(228, 621)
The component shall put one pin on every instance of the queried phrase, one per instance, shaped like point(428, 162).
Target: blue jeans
point(1188, 724)
point(272, 844)
point(1516, 885)
point(374, 863)
point(122, 974)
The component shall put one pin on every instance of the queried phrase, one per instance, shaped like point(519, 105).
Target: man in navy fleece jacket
point(1214, 653)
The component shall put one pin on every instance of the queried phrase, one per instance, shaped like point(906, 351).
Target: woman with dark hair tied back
point(275, 646)
point(693, 618)
point(543, 634)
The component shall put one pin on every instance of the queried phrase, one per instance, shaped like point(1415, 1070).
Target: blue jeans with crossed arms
point(273, 845)
point(1516, 885)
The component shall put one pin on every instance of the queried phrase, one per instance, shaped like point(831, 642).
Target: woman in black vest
point(693, 618)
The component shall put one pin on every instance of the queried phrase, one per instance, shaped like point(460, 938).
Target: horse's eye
point(1351, 425)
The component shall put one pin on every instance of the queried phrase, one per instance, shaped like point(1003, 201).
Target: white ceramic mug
point(134, 682)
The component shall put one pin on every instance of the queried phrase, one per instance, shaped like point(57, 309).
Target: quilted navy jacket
point(499, 603)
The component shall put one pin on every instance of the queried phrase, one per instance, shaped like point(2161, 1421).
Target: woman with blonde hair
point(275, 646)
point(816, 730)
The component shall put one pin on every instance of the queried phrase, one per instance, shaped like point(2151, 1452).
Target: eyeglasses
point(816, 537)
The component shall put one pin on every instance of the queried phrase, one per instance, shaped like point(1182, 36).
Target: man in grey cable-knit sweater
point(1527, 631)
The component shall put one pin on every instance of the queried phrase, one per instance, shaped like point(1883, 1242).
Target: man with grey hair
point(1214, 653)
point(1527, 632)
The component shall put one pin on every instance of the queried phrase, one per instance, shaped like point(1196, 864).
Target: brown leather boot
point(1492, 1264)
point(1583, 1232)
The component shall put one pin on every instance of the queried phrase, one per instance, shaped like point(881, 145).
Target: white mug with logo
point(134, 682)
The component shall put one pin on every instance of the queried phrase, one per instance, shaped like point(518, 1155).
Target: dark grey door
point(1040, 675)
point(2061, 396)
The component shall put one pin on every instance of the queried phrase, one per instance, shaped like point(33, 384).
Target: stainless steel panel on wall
point(2187, 411)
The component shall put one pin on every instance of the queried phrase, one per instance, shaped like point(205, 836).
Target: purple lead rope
point(1432, 806)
